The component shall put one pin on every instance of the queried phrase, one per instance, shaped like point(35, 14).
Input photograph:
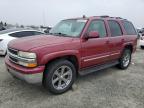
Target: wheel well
point(73, 59)
point(129, 47)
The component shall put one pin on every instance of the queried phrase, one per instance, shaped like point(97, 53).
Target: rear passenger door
point(116, 39)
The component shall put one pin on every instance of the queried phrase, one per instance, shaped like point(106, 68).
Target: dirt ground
point(109, 88)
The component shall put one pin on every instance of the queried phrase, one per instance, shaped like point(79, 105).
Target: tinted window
point(10, 30)
point(23, 34)
point(129, 28)
point(99, 26)
point(115, 28)
point(37, 33)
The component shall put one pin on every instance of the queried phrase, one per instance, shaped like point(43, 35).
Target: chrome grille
point(12, 53)
point(13, 59)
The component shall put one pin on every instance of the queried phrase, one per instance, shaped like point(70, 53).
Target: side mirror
point(92, 34)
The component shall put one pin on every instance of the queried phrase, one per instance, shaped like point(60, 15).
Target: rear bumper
point(3, 48)
point(141, 42)
point(2, 51)
point(29, 75)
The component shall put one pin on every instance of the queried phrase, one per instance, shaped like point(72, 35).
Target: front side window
point(98, 26)
point(17, 34)
point(128, 26)
point(115, 28)
point(70, 28)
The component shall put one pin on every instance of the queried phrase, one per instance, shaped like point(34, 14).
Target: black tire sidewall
point(49, 74)
point(121, 65)
point(142, 47)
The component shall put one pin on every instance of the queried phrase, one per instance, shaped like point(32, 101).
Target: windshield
point(71, 27)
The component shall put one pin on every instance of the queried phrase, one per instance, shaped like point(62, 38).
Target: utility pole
point(44, 19)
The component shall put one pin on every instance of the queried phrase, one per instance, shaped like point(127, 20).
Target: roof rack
point(106, 16)
point(118, 18)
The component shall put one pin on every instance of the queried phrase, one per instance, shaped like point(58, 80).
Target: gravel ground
point(109, 88)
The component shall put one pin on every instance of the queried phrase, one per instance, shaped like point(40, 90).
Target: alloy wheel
point(62, 77)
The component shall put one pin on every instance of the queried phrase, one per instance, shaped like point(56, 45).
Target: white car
point(7, 35)
point(141, 42)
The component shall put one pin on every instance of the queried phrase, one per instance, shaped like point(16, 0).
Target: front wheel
point(59, 76)
point(125, 59)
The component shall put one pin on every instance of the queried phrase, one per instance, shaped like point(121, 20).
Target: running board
point(97, 68)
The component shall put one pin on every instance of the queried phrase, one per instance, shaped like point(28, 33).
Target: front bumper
point(29, 75)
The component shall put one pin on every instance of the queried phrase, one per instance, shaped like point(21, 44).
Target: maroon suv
point(73, 46)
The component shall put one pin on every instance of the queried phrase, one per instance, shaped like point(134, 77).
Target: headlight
point(27, 59)
point(27, 55)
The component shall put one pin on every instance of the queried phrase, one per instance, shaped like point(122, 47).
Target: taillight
point(1, 40)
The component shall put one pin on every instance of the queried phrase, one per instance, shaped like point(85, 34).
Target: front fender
point(46, 58)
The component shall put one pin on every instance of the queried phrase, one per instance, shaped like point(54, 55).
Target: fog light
point(30, 65)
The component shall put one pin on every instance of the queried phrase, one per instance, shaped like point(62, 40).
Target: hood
point(28, 43)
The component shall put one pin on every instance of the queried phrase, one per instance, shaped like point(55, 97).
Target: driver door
point(95, 51)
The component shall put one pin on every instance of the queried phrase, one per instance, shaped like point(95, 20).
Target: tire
point(125, 59)
point(59, 72)
point(142, 47)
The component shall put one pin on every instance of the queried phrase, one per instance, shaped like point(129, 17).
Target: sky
point(50, 12)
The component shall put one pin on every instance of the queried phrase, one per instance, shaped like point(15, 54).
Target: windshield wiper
point(59, 34)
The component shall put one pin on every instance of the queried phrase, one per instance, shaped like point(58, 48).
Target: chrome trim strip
point(96, 58)
point(12, 60)
point(12, 49)
point(100, 57)
point(115, 54)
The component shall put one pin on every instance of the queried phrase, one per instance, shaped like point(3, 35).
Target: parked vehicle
point(141, 42)
point(7, 35)
point(142, 32)
point(139, 33)
point(74, 47)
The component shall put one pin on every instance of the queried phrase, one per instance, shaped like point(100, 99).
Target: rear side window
point(99, 26)
point(37, 33)
point(129, 28)
point(115, 28)
point(24, 34)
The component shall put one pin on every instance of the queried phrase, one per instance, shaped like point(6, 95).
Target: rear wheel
point(59, 76)
point(142, 47)
point(125, 59)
